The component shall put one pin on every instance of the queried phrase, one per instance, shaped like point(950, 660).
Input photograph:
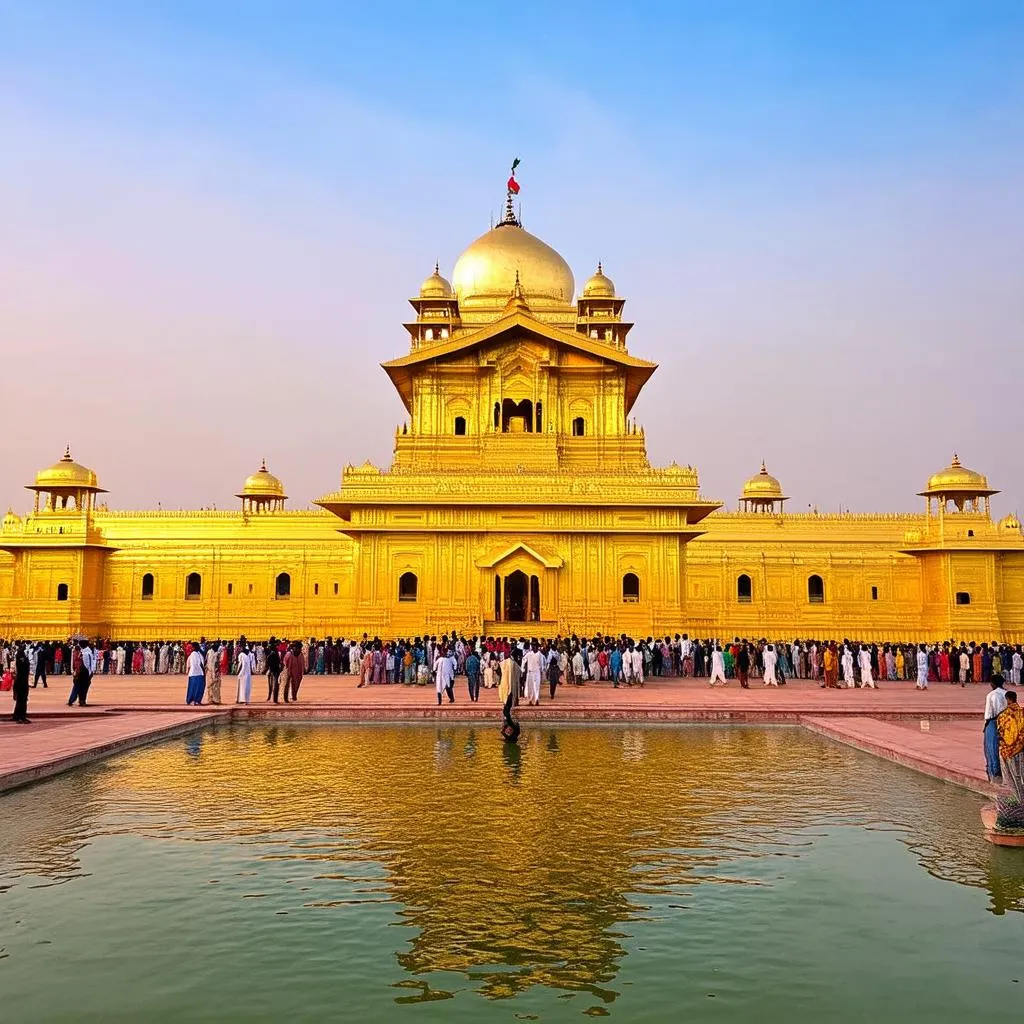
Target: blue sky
point(813, 210)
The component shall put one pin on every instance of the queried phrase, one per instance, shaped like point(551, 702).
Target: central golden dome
point(485, 274)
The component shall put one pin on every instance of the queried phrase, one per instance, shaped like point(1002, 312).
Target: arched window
point(193, 586)
point(579, 427)
point(147, 587)
point(962, 597)
point(631, 587)
point(744, 589)
point(283, 585)
point(62, 591)
point(460, 426)
point(497, 415)
point(407, 586)
point(815, 589)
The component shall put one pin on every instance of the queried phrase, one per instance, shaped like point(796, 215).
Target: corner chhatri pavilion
point(520, 499)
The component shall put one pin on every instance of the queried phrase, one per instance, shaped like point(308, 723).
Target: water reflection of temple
point(511, 870)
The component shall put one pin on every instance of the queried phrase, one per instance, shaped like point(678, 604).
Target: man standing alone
point(444, 675)
point(195, 670)
point(294, 662)
point(21, 672)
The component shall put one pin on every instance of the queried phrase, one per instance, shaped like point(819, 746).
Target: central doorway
point(516, 592)
point(517, 597)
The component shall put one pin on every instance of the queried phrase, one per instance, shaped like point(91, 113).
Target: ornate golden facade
point(520, 500)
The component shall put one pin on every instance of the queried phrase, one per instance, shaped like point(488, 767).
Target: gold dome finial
point(263, 465)
point(956, 460)
point(764, 468)
point(67, 454)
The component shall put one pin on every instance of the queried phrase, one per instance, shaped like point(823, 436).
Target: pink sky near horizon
point(176, 306)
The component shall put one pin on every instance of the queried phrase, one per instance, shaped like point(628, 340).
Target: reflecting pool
point(380, 873)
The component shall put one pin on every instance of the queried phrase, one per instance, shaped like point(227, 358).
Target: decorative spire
point(764, 468)
point(956, 459)
point(437, 268)
point(599, 269)
point(511, 189)
point(67, 454)
point(263, 466)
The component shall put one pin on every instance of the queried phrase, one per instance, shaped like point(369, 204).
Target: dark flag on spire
point(513, 185)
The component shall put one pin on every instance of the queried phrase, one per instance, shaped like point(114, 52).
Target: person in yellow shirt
point(831, 665)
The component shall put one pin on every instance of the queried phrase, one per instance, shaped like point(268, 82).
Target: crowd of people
point(519, 667)
point(619, 660)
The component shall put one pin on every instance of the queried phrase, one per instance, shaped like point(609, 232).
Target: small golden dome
point(12, 519)
point(956, 478)
point(485, 274)
point(763, 486)
point(262, 484)
point(66, 475)
point(599, 286)
point(1010, 522)
point(436, 286)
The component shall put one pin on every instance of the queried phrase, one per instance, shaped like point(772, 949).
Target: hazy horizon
point(215, 213)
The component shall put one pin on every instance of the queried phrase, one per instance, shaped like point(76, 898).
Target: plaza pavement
point(937, 731)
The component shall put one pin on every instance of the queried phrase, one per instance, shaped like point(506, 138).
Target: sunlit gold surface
point(599, 286)
point(956, 477)
point(485, 273)
point(558, 489)
point(262, 484)
point(65, 474)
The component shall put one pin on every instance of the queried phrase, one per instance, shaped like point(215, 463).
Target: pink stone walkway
point(126, 711)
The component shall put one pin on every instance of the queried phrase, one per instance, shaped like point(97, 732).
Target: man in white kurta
point(533, 666)
point(770, 660)
point(638, 666)
point(717, 667)
point(245, 666)
point(444, 675)
point(922, 668)
point(847, 661)
point(864, 658)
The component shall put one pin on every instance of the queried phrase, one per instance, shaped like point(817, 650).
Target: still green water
point(313, 873)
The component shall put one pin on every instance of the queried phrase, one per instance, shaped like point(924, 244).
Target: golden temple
point(520, 500)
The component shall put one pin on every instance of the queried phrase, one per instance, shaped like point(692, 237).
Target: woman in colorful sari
point(1010, 725)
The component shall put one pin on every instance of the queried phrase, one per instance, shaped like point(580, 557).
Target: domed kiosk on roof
point(761, 493)
point(436, 286)
point(599, 286)
point(1010, 523)
point(965, 488)
point(65, 486)
point(262, 492)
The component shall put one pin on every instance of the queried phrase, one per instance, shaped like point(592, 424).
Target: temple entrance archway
point(521, 597)
point(517, 591)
